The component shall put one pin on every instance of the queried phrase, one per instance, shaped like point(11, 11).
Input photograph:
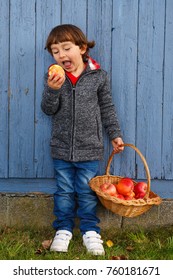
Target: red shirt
point(72, 78)
point(93, 65)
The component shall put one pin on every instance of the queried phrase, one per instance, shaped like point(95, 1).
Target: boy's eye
point(67, 49)
point(55, 52)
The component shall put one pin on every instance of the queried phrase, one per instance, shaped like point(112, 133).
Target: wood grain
point(134, 44)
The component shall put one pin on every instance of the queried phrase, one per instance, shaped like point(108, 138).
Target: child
point(79, 102)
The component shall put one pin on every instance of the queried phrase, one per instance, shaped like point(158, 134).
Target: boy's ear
point(83, 49)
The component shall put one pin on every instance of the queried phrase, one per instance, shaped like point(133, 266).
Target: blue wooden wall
point(134, 43)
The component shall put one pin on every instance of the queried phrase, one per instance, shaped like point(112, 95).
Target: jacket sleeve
point(50, 99)
point(108, 112)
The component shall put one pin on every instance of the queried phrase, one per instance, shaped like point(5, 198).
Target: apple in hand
point(109, 188)
point(140, 189)
point(125, 186)
point(56, 70)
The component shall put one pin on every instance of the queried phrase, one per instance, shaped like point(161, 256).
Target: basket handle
point(142, 158)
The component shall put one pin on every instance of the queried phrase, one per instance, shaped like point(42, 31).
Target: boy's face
point(69, 56)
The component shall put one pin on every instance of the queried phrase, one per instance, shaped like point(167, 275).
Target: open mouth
point(67, 64)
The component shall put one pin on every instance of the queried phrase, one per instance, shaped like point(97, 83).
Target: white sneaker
point(61, 241)
point(92, 241)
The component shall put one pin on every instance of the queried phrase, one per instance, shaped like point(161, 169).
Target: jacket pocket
point(98, 130)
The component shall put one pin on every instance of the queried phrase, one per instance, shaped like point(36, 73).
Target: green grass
point(140, 244)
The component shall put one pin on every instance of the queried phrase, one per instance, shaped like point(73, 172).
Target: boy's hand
point(116, 143)
point(55, 82)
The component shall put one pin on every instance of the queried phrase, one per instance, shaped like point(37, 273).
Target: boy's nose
point(61, 54)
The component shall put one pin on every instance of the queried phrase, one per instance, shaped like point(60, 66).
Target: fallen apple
point(109, 188)
point(125, 186)
point(56, 70)
point(140, 190)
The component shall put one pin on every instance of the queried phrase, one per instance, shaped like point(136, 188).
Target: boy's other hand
point(117, 145)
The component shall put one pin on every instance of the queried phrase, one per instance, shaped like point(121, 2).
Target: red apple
point(125, 186)
point(56, 70)
point(104, 186)
point(140, 190)
point(109, 188)
point(130, 196)
point(120, 196)
point(140, 195)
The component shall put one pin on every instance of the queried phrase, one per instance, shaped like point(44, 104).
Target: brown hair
point(68, 32)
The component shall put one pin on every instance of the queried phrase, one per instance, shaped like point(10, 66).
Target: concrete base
point(35, 210)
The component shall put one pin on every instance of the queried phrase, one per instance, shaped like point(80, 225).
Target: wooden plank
point(124, 67)
point(48, 16)
point(18, 185)
point(22, 71)
point(150, 84)
point(162, 188)
point(4, 70)
point(99, 30)
point(167, 150)
point(74, 12)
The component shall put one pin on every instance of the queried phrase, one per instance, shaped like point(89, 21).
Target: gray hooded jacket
point(78, 114)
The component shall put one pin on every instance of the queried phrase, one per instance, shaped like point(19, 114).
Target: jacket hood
point(93, 64)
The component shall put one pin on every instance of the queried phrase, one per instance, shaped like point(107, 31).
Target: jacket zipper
point(73, 114)
point(73, 123)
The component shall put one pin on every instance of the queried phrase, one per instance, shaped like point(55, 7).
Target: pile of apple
point(125, 189)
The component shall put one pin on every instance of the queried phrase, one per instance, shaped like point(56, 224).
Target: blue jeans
point(74, 197)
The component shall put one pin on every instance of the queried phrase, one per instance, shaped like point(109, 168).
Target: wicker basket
point(127, 208)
